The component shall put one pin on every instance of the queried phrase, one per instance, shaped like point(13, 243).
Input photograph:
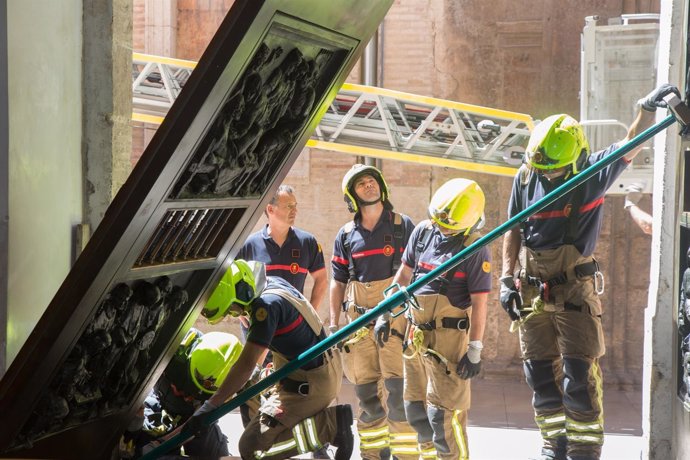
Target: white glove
point(633, 194)
point(474, 351)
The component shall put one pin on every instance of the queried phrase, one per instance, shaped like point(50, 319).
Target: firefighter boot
point(344, 439)
point(557, 453)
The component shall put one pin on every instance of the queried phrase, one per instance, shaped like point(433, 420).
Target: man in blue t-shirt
point(295, 418)
point(554, 296)
point(287, 252)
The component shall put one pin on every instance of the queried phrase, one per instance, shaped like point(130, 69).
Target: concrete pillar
point(665, 424)
point(107, 132)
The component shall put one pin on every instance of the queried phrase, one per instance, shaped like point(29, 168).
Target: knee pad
point(576, 385)
point(369, 402)
point(415, 411)
point(396, 409)
point(541, 379)
point(436, 418)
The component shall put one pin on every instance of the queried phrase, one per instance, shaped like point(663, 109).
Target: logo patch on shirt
point(387, 238)
point(567, 210)
point(318, 245)
point(261, 314)
point(387, 250)
point(295, 253)
point(294, 268)
point(486, 266)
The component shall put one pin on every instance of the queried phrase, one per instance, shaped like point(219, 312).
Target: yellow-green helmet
point(212, 358)
point(241, 284)
point(351, 177)
point(556, 142)
point(458, 205)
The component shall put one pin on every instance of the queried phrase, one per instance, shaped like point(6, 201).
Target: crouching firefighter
point(554, 297)
point(445, 337)
point(199, 366)
point(295, 418)
point(366, 255)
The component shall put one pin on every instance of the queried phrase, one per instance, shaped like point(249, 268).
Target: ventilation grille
point(188, 235)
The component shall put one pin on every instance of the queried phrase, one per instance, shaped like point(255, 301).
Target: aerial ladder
point(383, 123)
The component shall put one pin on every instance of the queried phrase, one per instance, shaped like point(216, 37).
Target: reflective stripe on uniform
point(374, 438)
point(459, 436)
point(551, 426)
point(312, 434)
point(277, 448)
point(585, 432)
point(428, 453)
point(586, 439)
point(299, 437)
point(404, 444)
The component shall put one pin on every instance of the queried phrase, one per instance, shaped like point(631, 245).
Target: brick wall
point(520, 56)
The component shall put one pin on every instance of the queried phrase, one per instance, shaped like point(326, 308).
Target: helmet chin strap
point(363, 203)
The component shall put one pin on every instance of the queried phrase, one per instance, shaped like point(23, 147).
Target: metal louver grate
point(189, 234)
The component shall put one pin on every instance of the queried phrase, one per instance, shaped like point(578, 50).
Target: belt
point(461, 324)
point(355, 307)
point(581, 271)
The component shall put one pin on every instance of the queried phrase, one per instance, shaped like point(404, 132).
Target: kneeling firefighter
point(199, 366)
point(295, 418)
point(444, 341)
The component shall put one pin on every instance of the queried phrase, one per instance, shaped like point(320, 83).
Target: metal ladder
point(370, 121)
point(387, 124)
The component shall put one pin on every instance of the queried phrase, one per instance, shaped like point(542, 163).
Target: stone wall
point(520, 56)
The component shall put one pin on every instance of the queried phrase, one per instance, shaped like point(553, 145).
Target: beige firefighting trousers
point(289, 423)
point(561, 348)
point(371, 367)
point(430, 375)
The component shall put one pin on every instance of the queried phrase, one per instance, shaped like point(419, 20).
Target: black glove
point(382, 328)
point(510, 298)
point(471, 363)
point(656, 98)
point(196, 422)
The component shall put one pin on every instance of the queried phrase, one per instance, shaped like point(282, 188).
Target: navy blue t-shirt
point(472, 276)
point(276, 324)
point(547, 228)
point(300, 254)
point(372, 251)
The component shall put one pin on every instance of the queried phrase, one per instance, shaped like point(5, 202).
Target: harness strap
point(579, 271)
point(574, 217)
point(423, 243)
point(461, 324)
point(398, 241)
point(398, 244)
point(347, 245)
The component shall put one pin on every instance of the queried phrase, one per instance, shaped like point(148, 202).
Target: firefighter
point(554, 296)
point(199, 366)
point(445, 338)
point(366, 254)
point(287, 251)
point(295, 418)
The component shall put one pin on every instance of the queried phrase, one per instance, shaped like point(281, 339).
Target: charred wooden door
point(227, 143)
